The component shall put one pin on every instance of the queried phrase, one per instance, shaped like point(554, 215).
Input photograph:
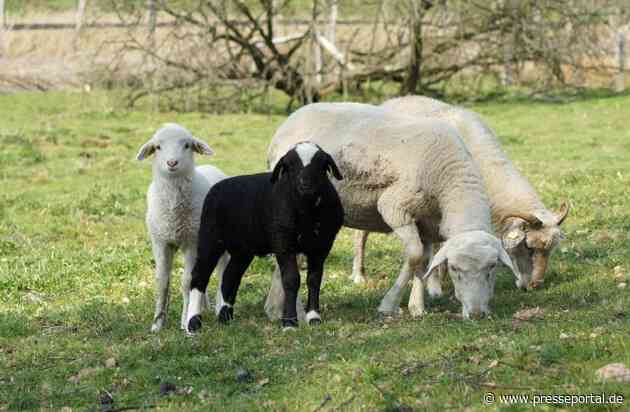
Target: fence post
point(80, 14)
point(152, 16)
point(1, 27)
point(620, 83)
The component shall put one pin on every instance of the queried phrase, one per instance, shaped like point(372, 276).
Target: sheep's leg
point(274, 305)
point(413, 257)
point(229, 285)
point(291, 284)
point(207, 260)
point(416, 298)
point(314, 283)
point(163, 255)
point(358, 268)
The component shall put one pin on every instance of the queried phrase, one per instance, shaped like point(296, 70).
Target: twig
point(327, 399)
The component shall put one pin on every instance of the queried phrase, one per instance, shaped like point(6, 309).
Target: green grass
point(76, 283)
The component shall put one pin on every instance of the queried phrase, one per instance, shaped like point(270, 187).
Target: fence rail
point(104, 25)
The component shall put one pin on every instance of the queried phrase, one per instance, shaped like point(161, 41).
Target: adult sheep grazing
point(528, 229)
point(414, 178)
point(293, 210)
point(174, 202)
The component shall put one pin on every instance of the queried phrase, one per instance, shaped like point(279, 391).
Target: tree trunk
point(510, 40)
point(413, 77)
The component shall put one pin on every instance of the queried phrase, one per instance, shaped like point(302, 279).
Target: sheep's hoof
point(416, 312)
point(194, 324)
point(358, 279)
point(226, 314)
point(158, 322)
point(313, 318)
point(535, 284)
point(289, 324)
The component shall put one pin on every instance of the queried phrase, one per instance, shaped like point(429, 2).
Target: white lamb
point(174, 201)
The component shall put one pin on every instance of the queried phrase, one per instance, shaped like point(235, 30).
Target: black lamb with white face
point(295, 209)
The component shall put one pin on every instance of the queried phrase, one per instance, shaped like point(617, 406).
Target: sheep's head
point(530, 239)
point(307, 165)
point(472, 258)
point(173, 146)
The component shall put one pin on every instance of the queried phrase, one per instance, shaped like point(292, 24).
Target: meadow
point(76, 278)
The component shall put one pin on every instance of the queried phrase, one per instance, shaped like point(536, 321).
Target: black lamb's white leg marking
point(314, 283)
point(207, 259)
point(195, 307)
point(313, 318)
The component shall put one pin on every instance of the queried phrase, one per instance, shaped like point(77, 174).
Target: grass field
point(76, 286)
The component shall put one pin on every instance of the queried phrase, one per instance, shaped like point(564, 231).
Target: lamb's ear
point(507, 261)
point(146, 150)
point(332, 167)
point(278, 170)
point(513, 237)
point(201, 147)
point(437, 260)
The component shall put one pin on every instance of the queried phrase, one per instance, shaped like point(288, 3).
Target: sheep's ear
point(562, 213)
point(437, 260)
point(146, 150)
point(277, 171)
point(201, 147)
point(332, 167)
point(514, 237)
point(507, 261)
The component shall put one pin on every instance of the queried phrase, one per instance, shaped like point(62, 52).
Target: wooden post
point(620, 83)
point(80, 14)
point(1, 15)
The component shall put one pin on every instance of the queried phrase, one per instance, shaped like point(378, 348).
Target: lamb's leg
point(291, 284)
point(416, 298)
point(274, 305)
point(223, 262)
point(314, 283)
point(413, 257)
point(230, 283)
point(163, 255)
point(190, 257)
point(207, 260)
point(358, 267)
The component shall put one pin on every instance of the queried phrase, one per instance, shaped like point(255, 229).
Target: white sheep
point(415, 178)
point(528, 229)
point(174, 201)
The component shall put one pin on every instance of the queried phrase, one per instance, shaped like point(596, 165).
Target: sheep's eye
point(157, 147)
point(187, 146)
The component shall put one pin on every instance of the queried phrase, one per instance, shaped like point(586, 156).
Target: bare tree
point(223, 51)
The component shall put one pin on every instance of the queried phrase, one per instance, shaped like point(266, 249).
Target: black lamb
point(295, 209)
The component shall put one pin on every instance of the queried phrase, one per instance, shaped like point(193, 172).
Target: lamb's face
point(472, 259)
point(530, 241)
point(307, 165)
point(173, 147)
